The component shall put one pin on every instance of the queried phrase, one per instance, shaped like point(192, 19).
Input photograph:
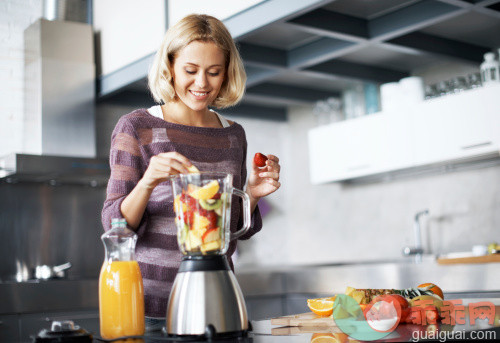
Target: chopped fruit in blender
point(193, 170)
point(200, 223)
point(188, 217)
point(200, 212)
point(206, 192)
point(211, 235)
point(188, 200)
point(210, 204)
point(214, 245)
point(212, 218)
point(260, 160)
point(179, 206)
point(193, 241)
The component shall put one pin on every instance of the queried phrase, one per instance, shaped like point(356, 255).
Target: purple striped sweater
point(136, 138)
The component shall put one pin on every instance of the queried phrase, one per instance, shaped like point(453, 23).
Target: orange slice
point(206, 192)
point(329, 338)
point(321, 306)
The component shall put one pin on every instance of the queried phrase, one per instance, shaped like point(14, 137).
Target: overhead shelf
point(337, 43)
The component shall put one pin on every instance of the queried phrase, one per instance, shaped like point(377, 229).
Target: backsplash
point(15, 16)
point(345, 222)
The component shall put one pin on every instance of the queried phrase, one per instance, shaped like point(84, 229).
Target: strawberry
point(188, 218)
point(212, 217)
point(260, 160)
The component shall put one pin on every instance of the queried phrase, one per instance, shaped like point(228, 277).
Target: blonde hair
point(205, 28)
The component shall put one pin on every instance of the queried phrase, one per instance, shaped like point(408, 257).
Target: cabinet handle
point(363, 166)
point(474, 146)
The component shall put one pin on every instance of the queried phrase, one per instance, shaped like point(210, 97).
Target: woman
point(197, 66)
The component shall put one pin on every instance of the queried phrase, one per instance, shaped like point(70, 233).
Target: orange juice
point(121, 299)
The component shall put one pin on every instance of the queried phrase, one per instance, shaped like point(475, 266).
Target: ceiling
point(299, 52)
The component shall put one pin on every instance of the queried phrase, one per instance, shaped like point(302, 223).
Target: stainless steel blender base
point(201, 298)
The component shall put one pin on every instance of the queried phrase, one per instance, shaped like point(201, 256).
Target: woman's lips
point(199, 95)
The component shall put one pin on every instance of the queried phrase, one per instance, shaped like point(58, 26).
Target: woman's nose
point(201, 80)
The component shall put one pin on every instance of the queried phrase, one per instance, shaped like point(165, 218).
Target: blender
point(206, 298)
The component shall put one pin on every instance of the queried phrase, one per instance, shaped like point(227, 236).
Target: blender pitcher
point(202, 205)
point(121, 292)
point(205, 298)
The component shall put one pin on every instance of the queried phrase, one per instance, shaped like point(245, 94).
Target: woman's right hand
point(162, 166)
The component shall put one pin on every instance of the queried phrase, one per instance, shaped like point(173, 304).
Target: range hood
point(55, 170)
point(59, 139)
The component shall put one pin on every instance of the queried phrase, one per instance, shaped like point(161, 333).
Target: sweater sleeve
point(126, 164)
point(256, 219)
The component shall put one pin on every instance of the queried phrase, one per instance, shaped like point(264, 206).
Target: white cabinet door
point(359, 147)
point(453, 128)
point(456, 127)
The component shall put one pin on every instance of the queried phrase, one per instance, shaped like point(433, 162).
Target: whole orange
point(433, 288)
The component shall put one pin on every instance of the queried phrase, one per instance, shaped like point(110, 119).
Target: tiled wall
point(15, 17)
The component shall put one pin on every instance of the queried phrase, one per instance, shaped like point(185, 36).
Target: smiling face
point(198, 73)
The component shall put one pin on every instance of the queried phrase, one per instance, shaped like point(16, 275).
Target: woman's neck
point(178, 113)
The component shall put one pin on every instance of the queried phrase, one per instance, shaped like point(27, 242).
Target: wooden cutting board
point(470, 259)
point(303, 319)
point(297, 330)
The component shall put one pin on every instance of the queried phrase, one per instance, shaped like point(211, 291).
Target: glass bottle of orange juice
point(121, 292)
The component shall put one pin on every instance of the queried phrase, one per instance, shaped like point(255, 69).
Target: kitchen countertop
point(265, 332)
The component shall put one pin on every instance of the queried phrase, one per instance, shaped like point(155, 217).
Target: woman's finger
point(273, 158)
point(273, 166)
point(168, 164)
point(176, 156)
point(270, 175)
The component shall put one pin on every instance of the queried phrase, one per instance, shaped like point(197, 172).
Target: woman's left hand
point(264, 181)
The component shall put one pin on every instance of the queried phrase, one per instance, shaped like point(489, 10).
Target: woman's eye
point(191, 72)
point(214, 74)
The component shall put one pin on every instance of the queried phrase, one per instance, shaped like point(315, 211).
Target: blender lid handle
point(246, 213)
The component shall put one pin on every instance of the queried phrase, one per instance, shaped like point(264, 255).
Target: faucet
point(417, 250)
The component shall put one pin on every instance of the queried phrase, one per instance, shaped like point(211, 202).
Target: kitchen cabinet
point(458, 126)
point(363, 146)
point(450, 129)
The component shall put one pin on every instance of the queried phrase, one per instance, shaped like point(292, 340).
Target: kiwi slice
point(210, 204)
